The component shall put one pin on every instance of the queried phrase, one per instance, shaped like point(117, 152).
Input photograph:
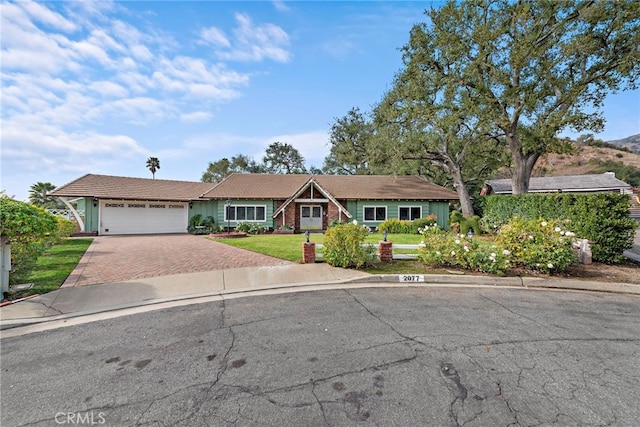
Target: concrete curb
point(382, 281)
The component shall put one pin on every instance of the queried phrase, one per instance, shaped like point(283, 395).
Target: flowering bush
point(343, 246)
point(538, 244)
point(439, 248)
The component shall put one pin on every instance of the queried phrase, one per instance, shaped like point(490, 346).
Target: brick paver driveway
point(119, 258)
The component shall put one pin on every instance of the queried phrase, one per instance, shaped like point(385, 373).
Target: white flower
point(543, 223)
point(438, 253)
point(506, 252)
point(457, 242)
point(562, 233)
point(355, 222)
point(550, 266)
point(422, 245)
point(557, 229)
point(453, 253)
point(466, 249)
point(493, 255)
point(530, 237)
point(570, 233)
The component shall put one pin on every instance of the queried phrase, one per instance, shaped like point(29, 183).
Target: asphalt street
point(384, 356)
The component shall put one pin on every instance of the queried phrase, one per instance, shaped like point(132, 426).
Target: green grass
point(289, 246)
point(52, 267)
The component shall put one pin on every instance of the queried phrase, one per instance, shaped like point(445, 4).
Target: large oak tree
point(531, 69)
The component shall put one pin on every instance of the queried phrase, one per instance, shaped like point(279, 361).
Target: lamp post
point(228, 207)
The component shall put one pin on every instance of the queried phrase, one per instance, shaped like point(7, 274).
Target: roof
point(570, 183)
point(118, 187)
point(349, 187)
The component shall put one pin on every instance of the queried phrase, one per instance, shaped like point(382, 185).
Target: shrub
point(441, 249)
point(601, 218)
point(29, 228)
point(250, 227)
point(396, 226)
point(202, 225)
point(64, 229)
point(399, 226)
point(343, 246)
point(538, 244)
point(465, 224)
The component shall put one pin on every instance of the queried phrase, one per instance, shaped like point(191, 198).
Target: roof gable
point(118, 187)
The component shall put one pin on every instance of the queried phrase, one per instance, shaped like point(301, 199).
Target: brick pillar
point(308, 252)
point(386, 251)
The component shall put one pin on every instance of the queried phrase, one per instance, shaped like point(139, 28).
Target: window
point(245, 213)
point(375, 213)
point(409, 212)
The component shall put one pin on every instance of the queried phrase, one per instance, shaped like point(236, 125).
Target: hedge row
point(602, 218)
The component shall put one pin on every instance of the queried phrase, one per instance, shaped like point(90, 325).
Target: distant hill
point(631, 142)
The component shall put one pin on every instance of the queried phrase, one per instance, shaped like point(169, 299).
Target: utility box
point(5, 266)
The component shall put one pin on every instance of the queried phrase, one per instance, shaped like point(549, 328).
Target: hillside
point(631, 142)
point(584, 162)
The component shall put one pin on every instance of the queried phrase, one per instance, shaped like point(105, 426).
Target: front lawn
point(52, 267)
point(289, 246)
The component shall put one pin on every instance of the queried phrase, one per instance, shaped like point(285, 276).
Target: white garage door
point(140, 217)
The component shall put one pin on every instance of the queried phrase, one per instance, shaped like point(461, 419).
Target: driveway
point(112, 259)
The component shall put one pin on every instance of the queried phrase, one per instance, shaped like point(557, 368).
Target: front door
point(311, 217)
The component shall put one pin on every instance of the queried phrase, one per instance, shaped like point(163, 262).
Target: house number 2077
point(412, 278)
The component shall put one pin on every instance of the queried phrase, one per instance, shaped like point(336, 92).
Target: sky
point(98, 87)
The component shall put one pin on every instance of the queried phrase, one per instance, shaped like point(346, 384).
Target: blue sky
point(98, 87)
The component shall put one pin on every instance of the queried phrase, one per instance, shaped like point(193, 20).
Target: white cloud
point(214, 36)
point(46, 16)
point(280, 6)
point(109, 89)
point(250, 43)
point(196, 117)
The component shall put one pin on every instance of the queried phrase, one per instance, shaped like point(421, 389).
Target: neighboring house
point(606, 182)
point(120, 205)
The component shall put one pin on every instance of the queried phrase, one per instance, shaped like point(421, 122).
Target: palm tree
point(38, 195)
point(153, 164)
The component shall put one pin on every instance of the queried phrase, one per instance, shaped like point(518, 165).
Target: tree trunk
point(463, 193)
point(522, 169)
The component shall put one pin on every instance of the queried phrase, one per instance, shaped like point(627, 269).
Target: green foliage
point(537, 244)
point(250, 227)
point(602, 218)
point(441, 249)
point(394, 225)
point(240, 163)
point(528, 70)
point(348, 140)
point(38, 196)
point(627, 173)
point(283, 158)
point(343, 246)
point(65, 228)
point(464, 224)
point(153, 164)
point(202, 225)
point(29, 228)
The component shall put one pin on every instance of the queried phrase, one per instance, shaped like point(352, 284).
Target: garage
point(142, 217)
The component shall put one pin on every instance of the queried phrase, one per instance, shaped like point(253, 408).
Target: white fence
point(64, 213)
point(404, 256)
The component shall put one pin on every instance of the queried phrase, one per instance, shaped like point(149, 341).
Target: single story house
point(599, 183)
point(109, 205)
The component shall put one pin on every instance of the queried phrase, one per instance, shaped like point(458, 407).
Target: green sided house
point(110, 205)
